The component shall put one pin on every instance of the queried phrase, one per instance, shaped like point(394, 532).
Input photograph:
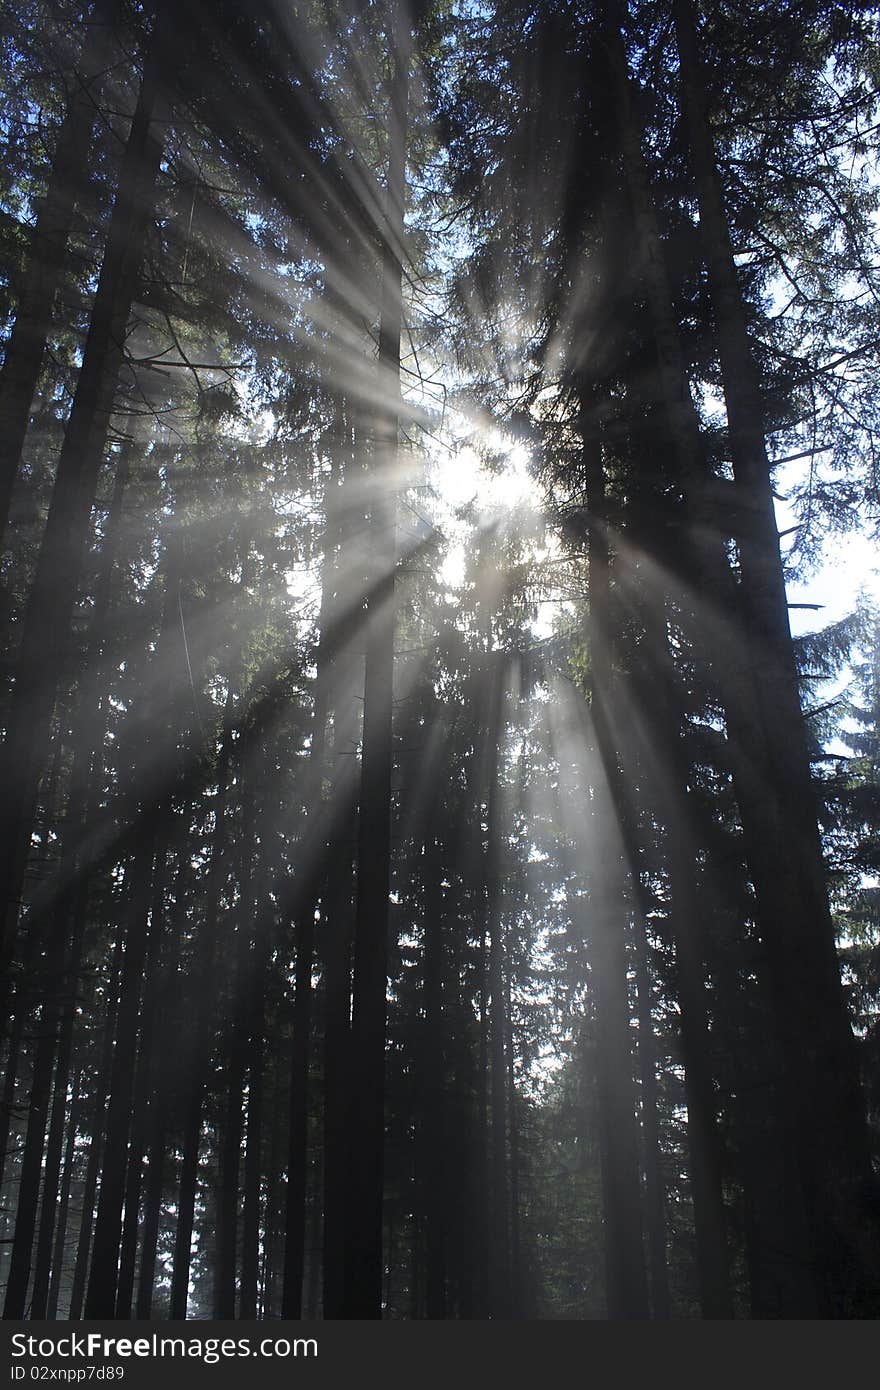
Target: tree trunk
point(480, 1233)
point(32, 983)
point(434, 1157)
point(51, 1310)
point(51, 972)
point(27, 341)
point(164, 1061)
point(157, 744)
point(256, 1031)
point(336, 950)
point(626, 1284)
point(664, 768)
point(363, 1268)
point(203, 970)
point(516, 1281)
point(101, 1296)
point(144, 1096)
point(236, 1070)
point(304, 918)
point(297, 1166)
point(269, 1304)
point(253, 1151)
point(820, 1085)
point(74, 878)
point(499, 1235)
point(90, 1186)
point(31, 1166)
point(152, 1209)
point(655, 1195)
point(729, 652)
point(47, 619)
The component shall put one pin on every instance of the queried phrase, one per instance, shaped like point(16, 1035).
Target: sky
point(850, 564)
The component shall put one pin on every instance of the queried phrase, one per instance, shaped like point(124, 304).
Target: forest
point(440, 858)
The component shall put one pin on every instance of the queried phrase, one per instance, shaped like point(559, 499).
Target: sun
point(462, 479)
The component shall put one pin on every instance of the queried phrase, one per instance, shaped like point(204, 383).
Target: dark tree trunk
point(256, 1030)
point(233, 1124)
point(499, 1210)
point(57, 1266)
point(47, 619)
point(73, 892)
point(729, 650)
point(250, 1254)
point(152, 1210)
point(144, 1095)
point(297, 1167)
point(434, 1155)
point(97, 1144)
point(49, 973)
point(820, 1083)
point(480, 1235)
point(155, 732)
point(655, 1194)
point(336, 950)
point(626, 1284)
point(366, 1136)
point(272, 1251)
point(335, 928)
point(101, 1296)
point(667, 775)
point(31, 986)
point(203, 970)
point(31, 1165)
point(163, 1063)
point(45, 261)
point(517, 1300)
point(306, 895)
